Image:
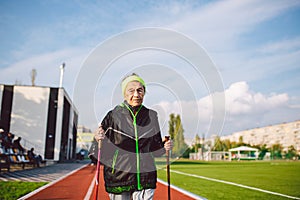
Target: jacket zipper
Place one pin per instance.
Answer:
(136, 146)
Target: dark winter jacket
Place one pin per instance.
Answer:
(132, 140)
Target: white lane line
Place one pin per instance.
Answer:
(235, 184)
(90, 190)
(187, 193)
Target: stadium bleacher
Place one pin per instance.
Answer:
(12, 156)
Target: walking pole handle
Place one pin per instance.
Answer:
(100, 141)
(99, 144)
(167, 138)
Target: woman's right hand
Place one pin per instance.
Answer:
(99, 134)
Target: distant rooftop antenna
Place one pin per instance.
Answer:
(33, 74)
(62, 68)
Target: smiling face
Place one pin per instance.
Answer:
(134, 93)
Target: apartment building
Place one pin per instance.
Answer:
(286, 134)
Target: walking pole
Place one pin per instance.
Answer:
(167, 138)
(98, 170)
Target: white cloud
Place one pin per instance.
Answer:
(281, 46)
(240, 100)
(242, 107)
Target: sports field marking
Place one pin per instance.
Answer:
(235, 184)
(90, 190)
(187, 193)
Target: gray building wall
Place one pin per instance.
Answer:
(45, 119)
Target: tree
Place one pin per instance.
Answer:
(176, 133)
(234, 144)
(197, 139)
(172, 126)
(263, 150)
(227, 145)
(197, 144)
(292, 152)
(241, 141)
(218, 144)
(276, 150)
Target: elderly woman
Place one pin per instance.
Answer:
(131, 138)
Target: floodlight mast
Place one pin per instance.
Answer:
(62, 68)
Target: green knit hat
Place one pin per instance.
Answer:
(130, 78)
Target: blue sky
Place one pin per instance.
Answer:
(255, 46)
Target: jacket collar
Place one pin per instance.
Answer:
(133, 109)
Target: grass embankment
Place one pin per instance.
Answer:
(276, 176)
(15, 189)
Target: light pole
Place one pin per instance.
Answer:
(62, 68)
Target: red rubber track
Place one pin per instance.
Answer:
(76, 186)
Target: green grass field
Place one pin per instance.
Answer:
(14, 189)
(277, 176)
